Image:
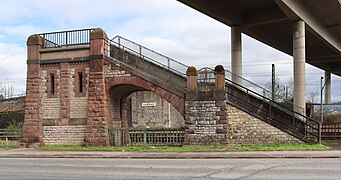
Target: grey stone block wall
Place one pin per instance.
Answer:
(246, 129)
(158, 114)
(50, 106)
(206, 122)
(64, 135)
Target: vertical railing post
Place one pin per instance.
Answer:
(319, 131)
(44, 42)
(334, 130)
(168, 62)
(66, 39)
(140, 50)
(119, 41)
(144, 137)
(270, 109)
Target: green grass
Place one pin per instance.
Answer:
(213, 148)
(4, 149)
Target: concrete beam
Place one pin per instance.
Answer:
(263, 16)
(220, 11)
(296, 9)
(324, 59)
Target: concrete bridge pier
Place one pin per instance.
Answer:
(236, 55)
(299, 55)
(327, 89)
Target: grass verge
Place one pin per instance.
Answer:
(213, 148)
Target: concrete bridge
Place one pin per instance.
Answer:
(309, 30)
(78, 83)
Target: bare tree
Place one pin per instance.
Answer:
(6, 89)
(279, 91)
(312, 96)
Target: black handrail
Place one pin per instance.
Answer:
(288, 111)
(168, 66)
(283, 109)
(66, 38)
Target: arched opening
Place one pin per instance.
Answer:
(131, 106)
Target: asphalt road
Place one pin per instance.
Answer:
(73, 168)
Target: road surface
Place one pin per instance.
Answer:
(92, 168)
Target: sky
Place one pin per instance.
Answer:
(166, 26)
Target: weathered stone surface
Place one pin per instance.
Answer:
(203, 122)
(157, 113)
(246, 129)
(32, 127)
(97, 123)
(69, 135)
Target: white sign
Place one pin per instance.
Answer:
(149, 104)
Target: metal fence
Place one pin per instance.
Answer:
(9, 138)
(146, 136)
(149, 55)
(265, 92)
(66, 38)
(206, 79)
(331, 130)
(273, 112)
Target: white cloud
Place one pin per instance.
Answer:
(13, 66)
(167, 26)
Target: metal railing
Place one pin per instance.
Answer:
(272, 112)
(256, 90)
(331, 130)
(264, 92)
(180, 68)
(206, 79)
(66, 38)
(9, 139)
(149, 55)
(146, 136)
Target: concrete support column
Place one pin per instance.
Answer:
(299, 66)
(236, 55)
(327, 90)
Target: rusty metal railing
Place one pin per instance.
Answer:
(66, 38)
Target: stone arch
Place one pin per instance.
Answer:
(123, 86)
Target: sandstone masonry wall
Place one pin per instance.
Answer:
(246, 129)
(112, 71)
(64, 135)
